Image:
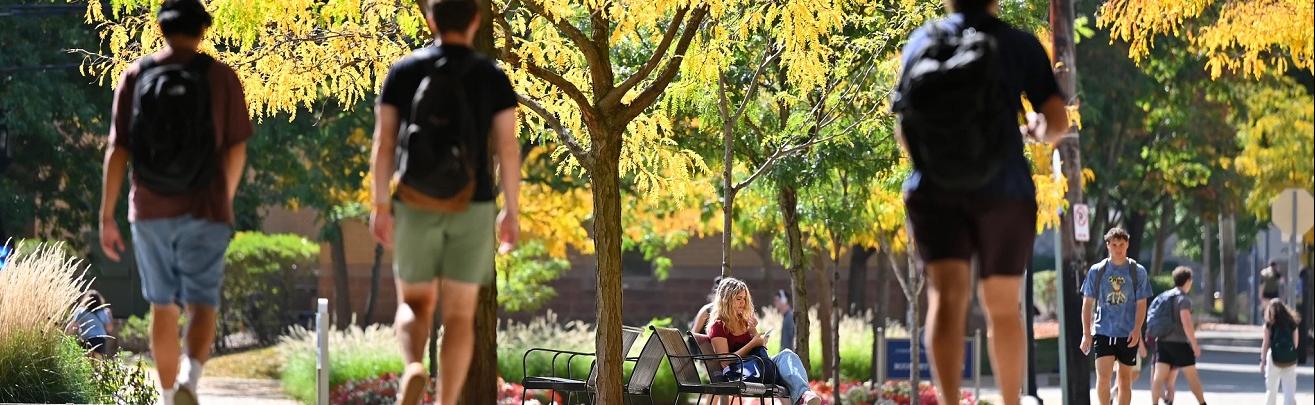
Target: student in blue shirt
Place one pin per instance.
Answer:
(1115, 291)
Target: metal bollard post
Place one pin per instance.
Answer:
(322, 351)
(881, 356)
(977, 364)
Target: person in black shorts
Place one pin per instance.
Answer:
(1178, 351)
(1115, 291)
(995, 222)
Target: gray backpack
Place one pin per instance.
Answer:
(1161, 317)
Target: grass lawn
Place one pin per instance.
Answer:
(256, 364)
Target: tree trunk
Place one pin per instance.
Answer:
(788, 199)
(1076, 378)
(764, 251)
(883, 288)
(341, 286)
(482, 378)
(607, 247)
(915, 333)
(728, 210)
(1228, 262)
(825, 310)
(1206, 297)
(1162, 231)
(373, 297)
(1136, 227)
(858, 278)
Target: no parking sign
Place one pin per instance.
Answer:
(1081, 222)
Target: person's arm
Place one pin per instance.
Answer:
(1051, 124)
(509, 170)
(109, 324)
(701, 321)
(1264, 349)
(1189, 329)
(1134, 338)
(1088, 306)
(115, 167)
(235, 161)
(382, 166)
(899, 137)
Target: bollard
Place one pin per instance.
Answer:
(322, 351)
(977, 365)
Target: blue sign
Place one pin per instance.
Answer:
(898, 360)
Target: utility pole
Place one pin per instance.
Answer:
(1074, 373)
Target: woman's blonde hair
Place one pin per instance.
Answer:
(723, 305)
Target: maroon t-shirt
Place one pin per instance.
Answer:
(733, 342)
(232, 127)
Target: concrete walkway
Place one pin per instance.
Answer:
(218, 390)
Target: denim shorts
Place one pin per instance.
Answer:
(181, 259)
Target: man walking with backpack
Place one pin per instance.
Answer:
(971, 191)
(1170, 323)
(180, 118)
(1116, 290)
(456, 111)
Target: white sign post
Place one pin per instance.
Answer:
(322, 351)
(1293, 213)
(1081, 222)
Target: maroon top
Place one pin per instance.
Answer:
(733, 342)
(232, 127)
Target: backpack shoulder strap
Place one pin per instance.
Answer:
(200, 63)
(1132, 273)
(1100, 278)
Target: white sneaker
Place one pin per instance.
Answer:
(189, 373)
(810, 398)
(167, 396)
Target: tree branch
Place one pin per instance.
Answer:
(585, 156)
(614, 96)
(780, 153)
(650, 94)
(594, 56)
(768, 58)
(603, 78)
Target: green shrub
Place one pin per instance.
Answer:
(354, 354)
(41, 368)
(1044, 292)
(525, 275)
(1161, 283)
(260, 273)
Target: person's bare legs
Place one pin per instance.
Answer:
(201, 325)
(1004, 327)
(1159, 379)
(415, 316)
(1125, 383)
(164, 343)
(459, 300)
(1194, 381)
(1171, 386)
(947, 309)
(1104, 369)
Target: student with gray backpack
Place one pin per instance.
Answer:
(1115, 292)
(1170, 323)
(1278, 352)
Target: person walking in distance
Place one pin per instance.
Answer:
(180, 121)
(971, 191)
(445, 116)
(1170, 323)
(1279, 354)
(1115, 290)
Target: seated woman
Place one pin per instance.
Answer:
(734, 330)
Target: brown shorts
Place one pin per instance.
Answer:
(958, 225)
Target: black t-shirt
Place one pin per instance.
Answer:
(488, 89)
(1026, 70)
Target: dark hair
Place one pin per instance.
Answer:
(91, 300)
(1278, 314)
(969, 5)
(452, 15)
(1116, 233)
(183, 17)
(1181, 276)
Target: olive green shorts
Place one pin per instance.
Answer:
(458, 247)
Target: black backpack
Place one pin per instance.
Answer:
(172, 135)
(436, 157)
(950, 110)
(1283, 351)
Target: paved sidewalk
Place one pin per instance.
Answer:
(218, 390)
